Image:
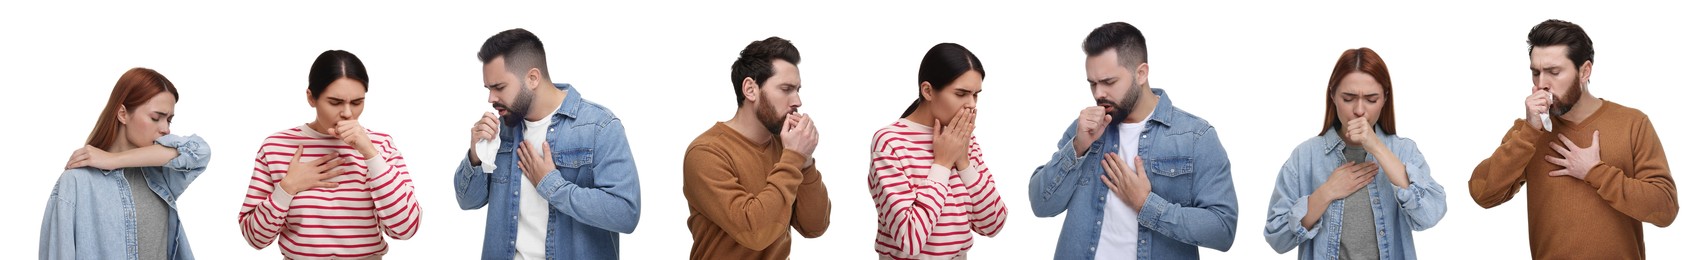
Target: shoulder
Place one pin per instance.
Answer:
(594, 113)
(1189, 122)
(73, 180)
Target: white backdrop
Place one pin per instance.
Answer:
(1253, 69)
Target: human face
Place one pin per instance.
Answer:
(511, 97)
(778, 96)
(1107, 80)
(945, 101)
(1553, 72)
(148, 122)
(343, 99)
(1358, 96)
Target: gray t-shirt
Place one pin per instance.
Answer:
(151, 214)
(1359, 231)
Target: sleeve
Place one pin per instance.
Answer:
(1647, 192)
(392, 188)
(613, 202)
(1424, 200)
(987, 213)
(1498, 178)
(472, 185)
(192, 157)
(266, 204)
(907, 205)
(1211, 223)
(58, 222)
(1283, 228)
(755, 220)
(1051, 185)
(811, 208)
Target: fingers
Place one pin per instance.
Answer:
(327, 185)
(1568, 142)
(1141, 167)
(545, 151)
(327, 166)
(1561, 172)
(322, 159)
(1556, 160)
(298, 157)
(1558, 148)
(1109, 184)
(938, 131)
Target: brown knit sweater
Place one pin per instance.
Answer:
(1600, 217)
(746, 198)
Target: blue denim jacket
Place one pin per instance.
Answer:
(593, 193)
(91, 214)
(1193, 203)
(1417, 207)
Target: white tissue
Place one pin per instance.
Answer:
(1547, 125)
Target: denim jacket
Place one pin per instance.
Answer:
(91, 214)
(593, 193)
(1396, 212)
(1193, 202)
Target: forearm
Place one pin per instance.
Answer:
(472, 185)
(811, 208)
(1316, 206)
(146, 156)
(1498, 178)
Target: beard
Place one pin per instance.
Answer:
(771, 118)
(522, 100)
(1564, 104)
(1124, 106)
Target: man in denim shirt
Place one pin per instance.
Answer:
(1175, 192)
(561, 182)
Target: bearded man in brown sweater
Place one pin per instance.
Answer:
(1595, 169)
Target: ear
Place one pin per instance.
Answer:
(309, 95)
(1585, 73)
(533, 79)
(927, 90)
(749, 88)
(1141, 74)
(123, 115)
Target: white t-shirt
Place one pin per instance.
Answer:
(534, 217)
(1121, 227)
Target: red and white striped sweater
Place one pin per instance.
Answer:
(373, 196)
(923, 218)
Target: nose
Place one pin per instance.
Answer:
(347, 112)
(165, 128)
(491, 97)
(795, 101)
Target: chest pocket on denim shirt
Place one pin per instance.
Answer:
(574, 163)
(505, 151)
(1172, 178)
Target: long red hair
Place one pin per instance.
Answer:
(134, 88)
(1367, 61)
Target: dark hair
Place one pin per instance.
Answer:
(943, 64)
(1366, 61)
(756, 60)
(134, 88)
(332, 65)
(1557, 32)
(520, 49)
(1131, 46)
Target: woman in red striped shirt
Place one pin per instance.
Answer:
(926, 174)
(330, 188)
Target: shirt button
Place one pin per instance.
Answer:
(1143, 241)
(1143, 136)
(1097, 223)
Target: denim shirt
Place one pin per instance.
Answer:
(91, 214)
(1396, 212)
(593, 193)
(1193, 202)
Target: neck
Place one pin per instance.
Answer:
(922, 117)
(541, 109)
(745, 122)
(1588, 105)
(321, 126)
(1144, 105)
(120, 144)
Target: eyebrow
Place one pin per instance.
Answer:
(793, 86)
(162, 114)
(495, 85)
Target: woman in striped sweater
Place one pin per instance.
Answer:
(926, 174)
(330, 188)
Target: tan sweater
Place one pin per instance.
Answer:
(1600, 217)
(746, 198)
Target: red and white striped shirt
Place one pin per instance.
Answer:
(923, 218)
(373, 195)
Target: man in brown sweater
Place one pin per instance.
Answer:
(1596, 174)
(747, 190)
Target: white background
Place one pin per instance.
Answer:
(1254, 69)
